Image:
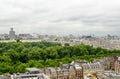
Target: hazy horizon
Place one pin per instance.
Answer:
(63, 17)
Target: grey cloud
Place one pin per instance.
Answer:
(57, 16)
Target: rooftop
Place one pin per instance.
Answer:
(32, 69)
(118, 58)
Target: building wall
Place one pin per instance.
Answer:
(12, 34)
(117, 66)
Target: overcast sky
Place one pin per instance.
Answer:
(60, 16)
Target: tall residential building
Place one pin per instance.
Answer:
(11, 34)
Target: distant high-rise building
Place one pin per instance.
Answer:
(11, 34)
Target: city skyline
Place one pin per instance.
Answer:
(60, 16)
(67, 34)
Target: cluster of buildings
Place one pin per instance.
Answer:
(9, 36)
(13, 36)
(112, 69)
(108, 42)
(105, 68)
(64, 71)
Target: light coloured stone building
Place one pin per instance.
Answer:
(12, 34)
(117, 65)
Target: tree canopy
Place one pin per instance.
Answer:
(16, 56)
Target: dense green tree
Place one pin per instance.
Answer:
(4, 58)
(66, 44)
(16, 56)
(51, 53)
(51, 63)
(21, 67)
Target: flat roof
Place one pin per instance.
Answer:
(32, 69)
